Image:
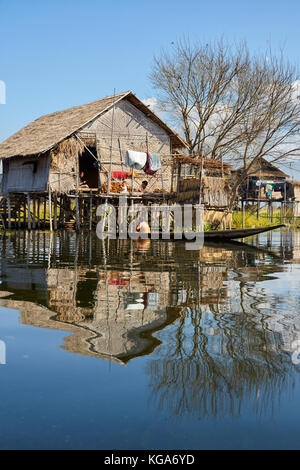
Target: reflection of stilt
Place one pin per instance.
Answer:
(90, 249)
(50, 250)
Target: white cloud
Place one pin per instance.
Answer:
(153, 104)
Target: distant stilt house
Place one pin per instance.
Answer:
(82, 151)
(294, 196)
(265, 182)
(267, 187)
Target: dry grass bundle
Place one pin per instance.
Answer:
(89, 141)
(187, 196)
(67, 149)
(115, 187)
(208, 163)
(160, 191)
(189, 184)
(213, 217)
(214, 184)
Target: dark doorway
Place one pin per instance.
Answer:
(88, 165)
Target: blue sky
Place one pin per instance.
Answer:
(58, 54)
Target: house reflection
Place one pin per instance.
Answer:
(201, 316)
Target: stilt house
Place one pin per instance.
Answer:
(53, 151)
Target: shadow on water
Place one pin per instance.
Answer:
(214, 338)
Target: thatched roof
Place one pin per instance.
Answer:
(294, 183)
(44, 133)
(208, 163)
(265, 169)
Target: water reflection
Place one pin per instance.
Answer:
(217, 338)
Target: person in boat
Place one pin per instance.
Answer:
(143, 245)
(143, 227)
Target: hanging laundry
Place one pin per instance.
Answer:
(135, 159)
(120, 175)
(153, 163)
(269, 189)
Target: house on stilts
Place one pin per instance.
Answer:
(60, 167)
(80, 154)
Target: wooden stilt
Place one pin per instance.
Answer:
(50, 209)
(9, 211)
(91, 212)
(38, 212)
(19, 215)
(28, 212)
(243, 214)
(34, 213)
(24, 214)
(61, 211)
(77, 213)
(55, 213)
(45, 211)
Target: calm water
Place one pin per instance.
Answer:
(143, 345)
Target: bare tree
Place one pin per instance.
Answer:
(230, 104)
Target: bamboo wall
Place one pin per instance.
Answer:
(130, 128)
(214, 192)
(25, 174)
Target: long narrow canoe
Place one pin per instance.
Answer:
(230, 234)
(217, 235)
(239, 233)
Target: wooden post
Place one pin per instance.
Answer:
(132, 180)
(178, 177)
(24, 214)
(243, 214)
(19, 215)
(9, 211)
(201, 178)
(77, 213)
(61, 212)
(91, 210)
(28, 212)
(172, 178)
(50, 209)
(284, 220)
(33, 213)
(55, 213)
(38, 212)
(45, 211)
(111, 147)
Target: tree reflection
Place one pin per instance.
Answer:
(214, 365)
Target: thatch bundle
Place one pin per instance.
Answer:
(214, 217)
(160, 191)
(210, 165)
(115, 187)
(213, 183)
(67, 149)
(189, 184)
(89, 141)
(187, 196)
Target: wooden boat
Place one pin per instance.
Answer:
(219, 235)
(238, 233)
